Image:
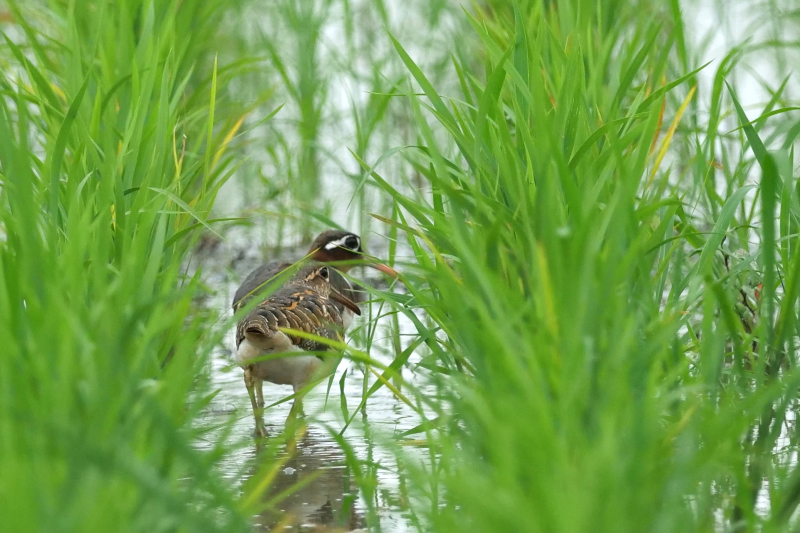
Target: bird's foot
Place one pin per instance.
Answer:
(260, 432)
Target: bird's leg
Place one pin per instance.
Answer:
(297, 405)
(259, 384)
(249, 382)
(296, 410)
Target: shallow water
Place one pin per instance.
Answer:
(328, 497)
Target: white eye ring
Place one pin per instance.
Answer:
(355, 239)
(340, 243)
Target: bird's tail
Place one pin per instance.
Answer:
(255, 328)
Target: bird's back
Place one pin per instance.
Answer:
(256, 280)
(293, 307)
(259, 277)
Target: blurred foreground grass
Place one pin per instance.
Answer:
(110, 150)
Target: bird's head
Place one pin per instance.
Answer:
(334, 246)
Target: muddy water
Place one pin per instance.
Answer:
(327, 496)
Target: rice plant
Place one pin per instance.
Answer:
(110, 154)
(614, 279)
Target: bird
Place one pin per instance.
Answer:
(339, 247)
(333, 247)
(304, 303)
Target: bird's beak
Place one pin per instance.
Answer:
(345, 301)
(389, 271)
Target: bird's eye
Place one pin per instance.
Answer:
(323, 272)
(351, 242)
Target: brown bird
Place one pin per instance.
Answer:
(331, 246)
(305, 303)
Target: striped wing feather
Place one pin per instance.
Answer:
(301, 309)
(259, 277)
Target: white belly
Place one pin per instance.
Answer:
(347, 315)
(294, 370)
(249, 350)
(347, 318)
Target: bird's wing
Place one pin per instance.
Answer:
(256, 280)
(294, 308)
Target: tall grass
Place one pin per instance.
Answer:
(334, 75)
(612, 265)
(603, 276)
(112, 149)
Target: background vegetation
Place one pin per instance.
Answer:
(596, 227)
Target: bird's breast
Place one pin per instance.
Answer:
(347, 318)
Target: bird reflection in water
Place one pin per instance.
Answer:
(313, 488)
